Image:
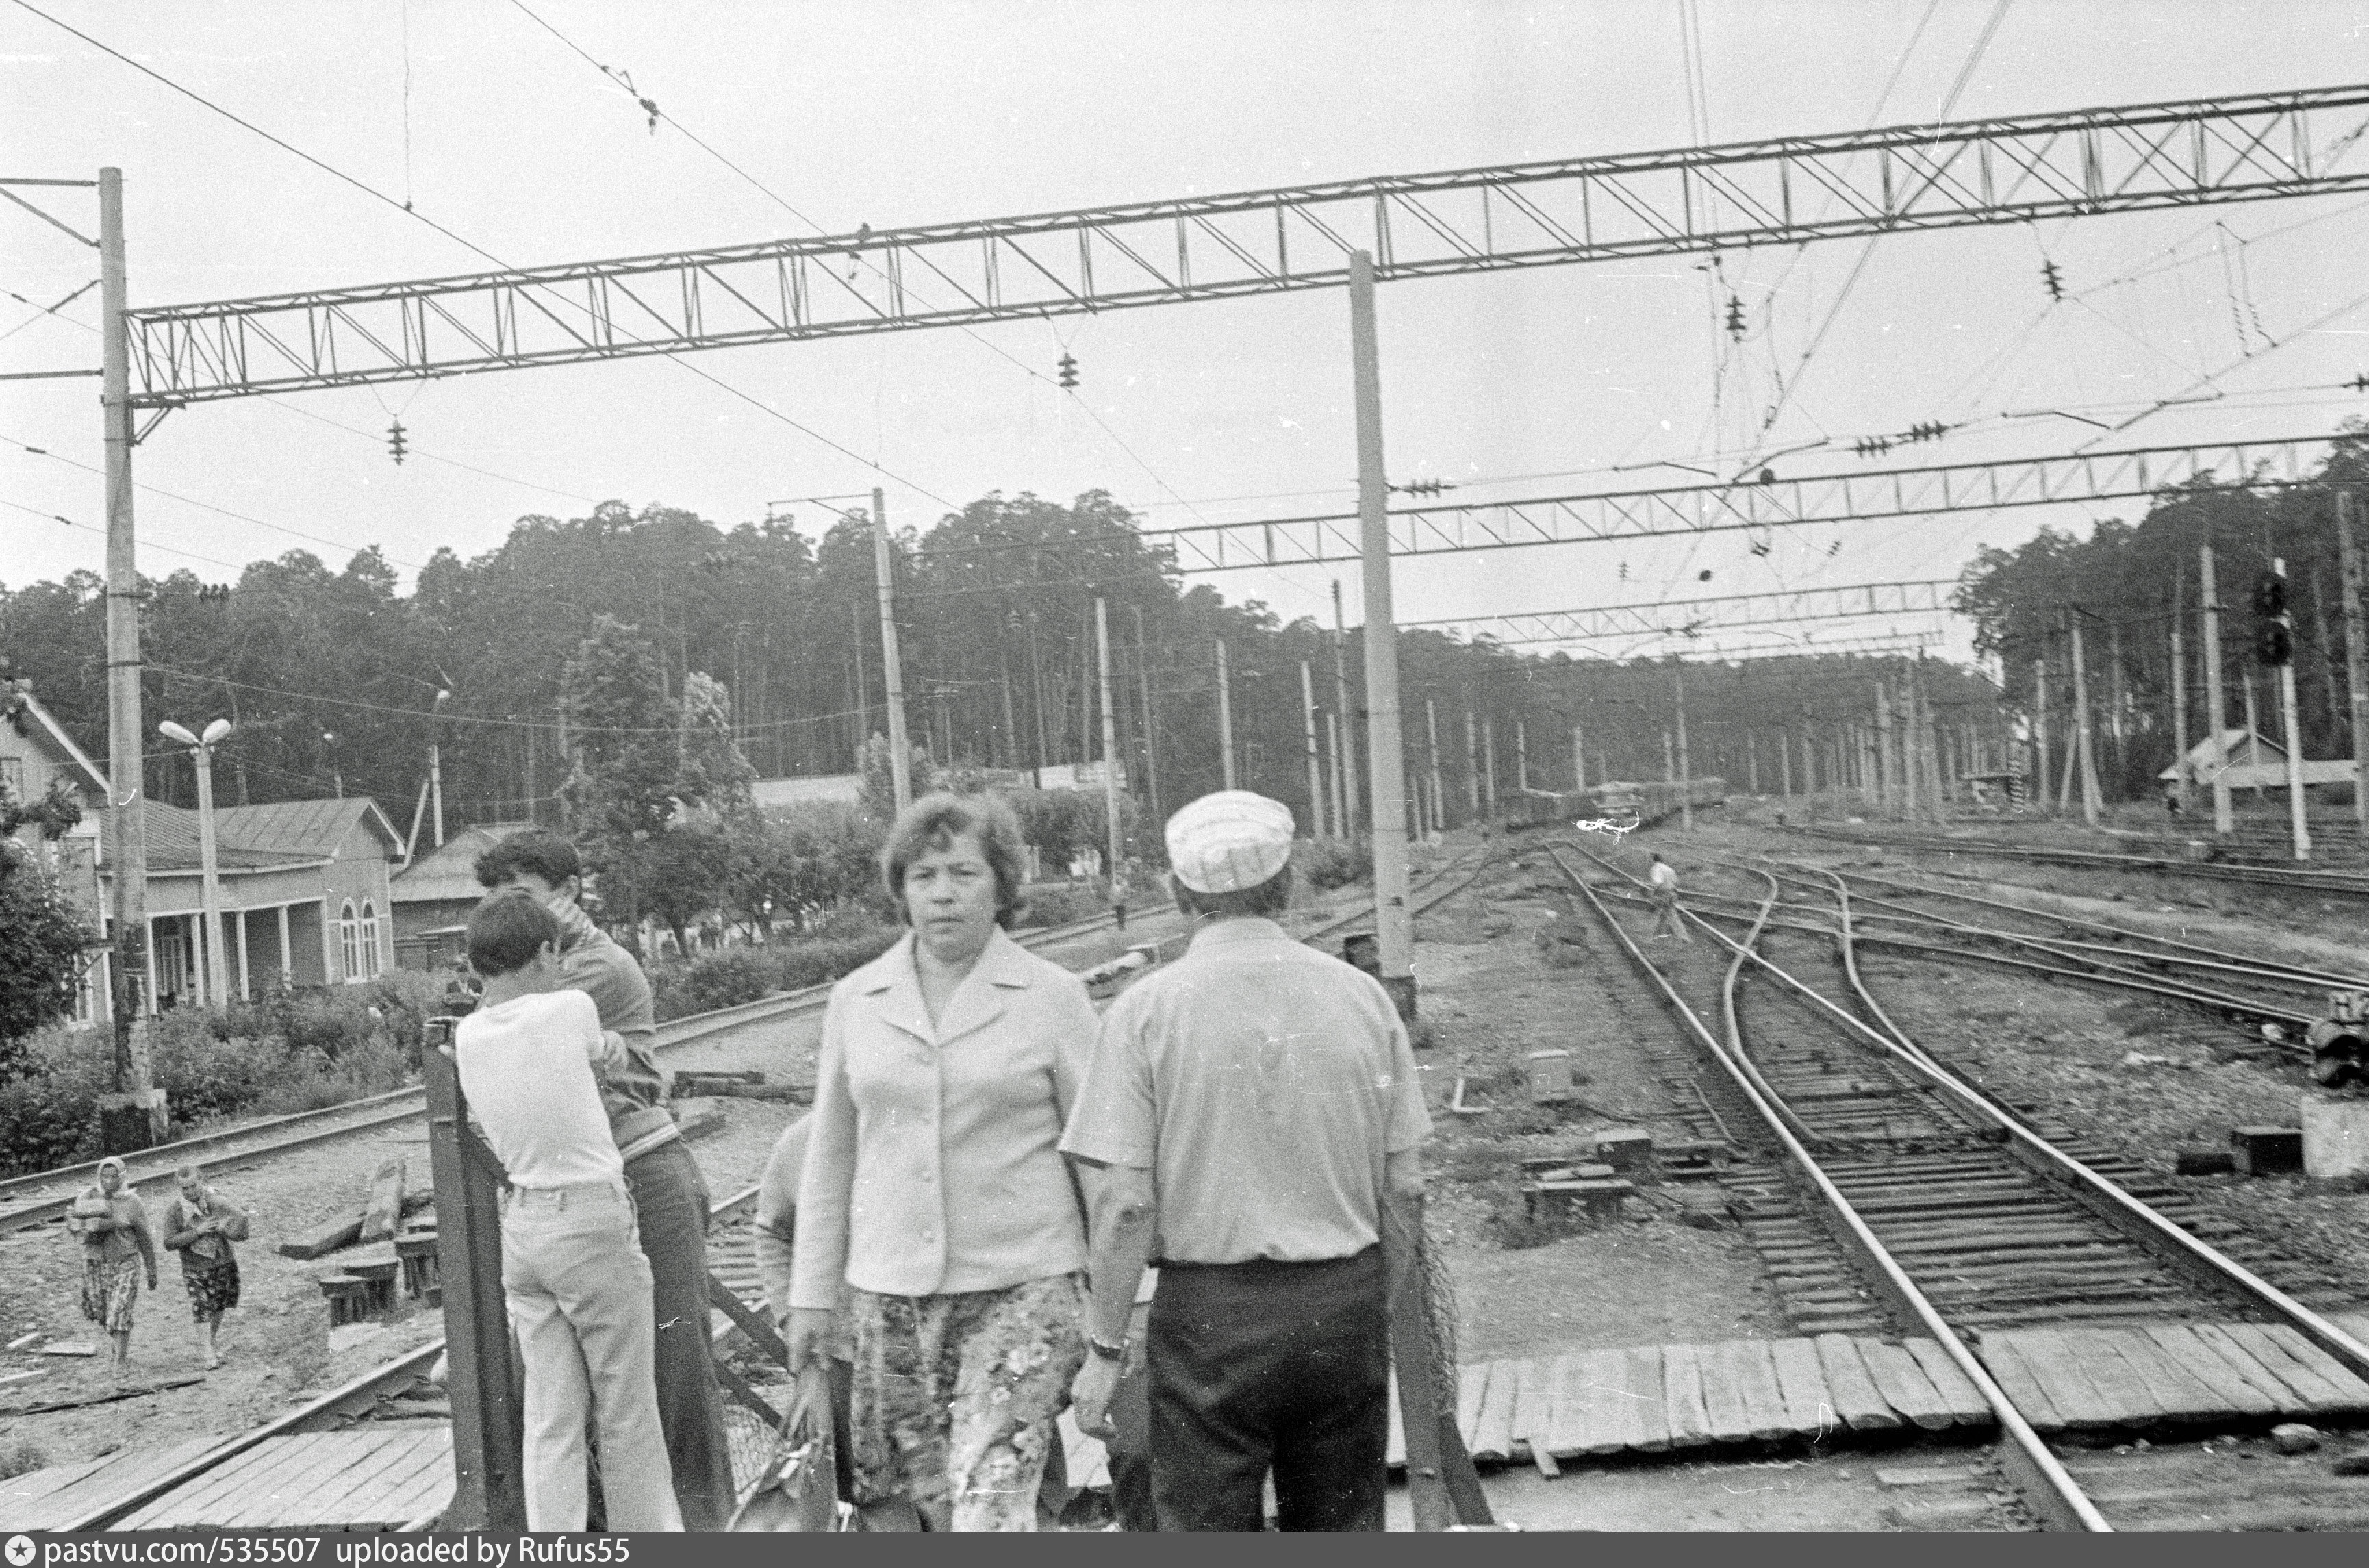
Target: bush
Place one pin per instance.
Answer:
(1059, 903)
(1327, 864)
(847, 940)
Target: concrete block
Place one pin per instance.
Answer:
(2202, 1162)
(1627, 1150)
(129, 1123)
(2335, 1134)
(1552, 1077)
(2267, 1151)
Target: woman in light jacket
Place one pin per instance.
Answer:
(116, 1244)
(933, 1197)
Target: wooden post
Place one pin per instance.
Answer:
(1521, 754)
(1116, 872)
(1225, 717)
(2253, 734)
(1352, 803)
(2178, 688)
(1752, 757)
(2297, 824)
(2215, 699)
(1431, 743)
(1489, 764)
(2356, 652)
(900, 762)
(488, 1427)
(1785, 764)
(1340, 802)
(1884, 748)
(1578, 759)
(2040, 729)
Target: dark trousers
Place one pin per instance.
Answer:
(671, 1198)
(1260, 1366)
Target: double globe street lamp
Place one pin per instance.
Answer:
(210, 883)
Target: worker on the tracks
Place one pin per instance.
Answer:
(1244, 1110)
(574, 1274)
(1661, 883)
(934, 1208)
(201, 1224)
(670, 1194)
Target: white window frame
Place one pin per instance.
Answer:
(367, 930)
(348, 943)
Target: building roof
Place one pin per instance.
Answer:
(173, 844)
(2233, 751)
(310, 828)
(450, 872)
(33, 719)
(775, 793)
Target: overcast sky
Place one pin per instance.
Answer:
(1518, 384)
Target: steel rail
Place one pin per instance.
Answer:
(2304, 977)
(2055, 1495)
(308, 1128)
(2109, 1198)
(2264, 875)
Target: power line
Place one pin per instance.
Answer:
(145, 544)
(409, 210)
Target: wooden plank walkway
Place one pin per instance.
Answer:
(370, 1477)
(1660, 1398)
(44, 1499)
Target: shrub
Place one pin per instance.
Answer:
(20, 1457)
(847, 940)
(1059, 903)
(1327, 864)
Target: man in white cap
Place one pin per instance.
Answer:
(1244, 1110)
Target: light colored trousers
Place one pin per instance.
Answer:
(578, 1291)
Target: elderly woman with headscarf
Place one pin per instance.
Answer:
(201, 1224)
(115, 1245)
(933, 1204)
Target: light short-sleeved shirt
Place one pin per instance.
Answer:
(526, 1067)
(1261, 1082)
(1664, 875)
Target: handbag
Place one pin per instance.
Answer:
(799, 1490)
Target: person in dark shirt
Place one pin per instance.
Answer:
(670, 1197)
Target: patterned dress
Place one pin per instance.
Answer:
(955, 1396)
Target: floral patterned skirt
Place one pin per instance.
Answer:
(212, 1289)
(110, 1292)
(955, 1396)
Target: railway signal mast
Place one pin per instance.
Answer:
(2274, 646)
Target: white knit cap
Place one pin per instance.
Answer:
(1230, 840)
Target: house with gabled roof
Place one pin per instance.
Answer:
(434, 894)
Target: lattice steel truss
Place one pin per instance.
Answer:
(1749, 504)
(1804, 647)
(1692, 617)
(1778, 191)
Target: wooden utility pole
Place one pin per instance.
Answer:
(1471, 766)
(133, 1117)
(1225, 716)
(1685, 770)
(1785, 764)
(2179, 790)
(2296, 822)
(1489, 766)
(1431, 742)
(1151, 718)
(2215, 699)
(1578, 760)
(2040, 727)
(1308, 736)
(1393, 915)
(2356, 652)
(900, 762)
(1521, 754)
(1351, 800)
(1752, 758)
(2253, 733)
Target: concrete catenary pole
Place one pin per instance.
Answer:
(901, 763)
(1315, 823)
(2081, 725)
(2216, 700)
(1686, 765)
(2179, 779)
(1110, 761)
(1225, 716)
(2356, 652)
(1393, 916)
(1471, 766)
(2288, 721)
(128, 795)
(1350, 797)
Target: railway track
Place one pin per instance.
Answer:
(730, 1246)
(1883, 1191)
(2352, 885)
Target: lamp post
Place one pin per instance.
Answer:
(201, 747)
(337, 774)
(435, 766)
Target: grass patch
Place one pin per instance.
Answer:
(20, 1458)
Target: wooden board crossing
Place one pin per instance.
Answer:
(1660, 1398)
(369, 1477)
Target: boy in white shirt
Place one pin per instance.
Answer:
(573, 1271)
(1663, 879)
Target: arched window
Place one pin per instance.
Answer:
(349, 943)
(369, 938)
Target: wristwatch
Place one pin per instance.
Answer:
(1107, 1352)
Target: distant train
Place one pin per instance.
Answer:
(1649, 801)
